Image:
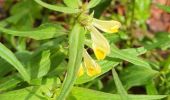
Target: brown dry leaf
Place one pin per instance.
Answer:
(159, 20)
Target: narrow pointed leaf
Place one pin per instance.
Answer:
(38, 34)
(120, 88)
(57, 8)
(93, 3)
(76, 46)
(44, 64)
(6, 54)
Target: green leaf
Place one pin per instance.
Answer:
(135, 51)
(30, 93)
(161, 41)
(40, 33)
(44, 64)
(79, 93)
(93, 3)
(72, 3)
(29, 6)
(164, 7)
(13, 19)
(6, 54)
(116, 53)
(101, 7)
(130, 76)
(151, 88)
(141, 10)
(9, 82)
(119, 86)
(57, 8)
(4, 70)
(76, 46)
(105, 65)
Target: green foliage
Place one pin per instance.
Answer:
(164, 7)
(76, 41)
(42, 45)
(6, 54)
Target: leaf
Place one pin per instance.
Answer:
(105, 65)
(72, 3)
(135, 51)
(93, 3)
(9, 82)
(100, 8)
(164, 7)
(76, 46)
(119, 86)
(30, 93)
(29, 6)
(141, 10)
(79, 93)
(57, 8)
(151, 88)
(161, 40)
(116, 53)
(130, 76)
(44, 64)
(4, 70)
(12, 19)
(6, 54)
(40, 33)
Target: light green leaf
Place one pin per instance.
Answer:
(44, 64)
(6, 54)
(135, 51)
(79, 93)
(72, 3)
(130, 76)
(119, 86)
(116, 53)
(93, 3)
(151, 88)
(40, 33)
(57, 8)
(30, 93)
(76, 46)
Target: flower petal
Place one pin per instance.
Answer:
(91, 66)
(80, 71)
(100, 44)
(107, 26)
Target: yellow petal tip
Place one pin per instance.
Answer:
(80, 71)
(92, 71)
(114, 29)
(100, 55)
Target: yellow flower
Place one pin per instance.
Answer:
(106, 26)
(92, 68)
(100, 44)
